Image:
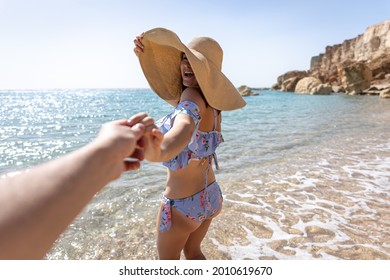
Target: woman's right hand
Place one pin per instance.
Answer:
(152, 144)
(139, 47)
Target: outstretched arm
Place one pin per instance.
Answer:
(37, 205)
(159, 147)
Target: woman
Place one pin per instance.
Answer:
(190, 79)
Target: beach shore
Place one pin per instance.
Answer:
(295, 218)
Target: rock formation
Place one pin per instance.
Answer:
(246, 91)
(312, 85)
(357, 66)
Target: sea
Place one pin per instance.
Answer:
(303, 176)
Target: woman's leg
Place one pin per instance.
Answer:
(192, 250)
(170, 243)
(185, 233)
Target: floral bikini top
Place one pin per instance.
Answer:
(202, 144)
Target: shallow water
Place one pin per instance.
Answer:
(303, 177)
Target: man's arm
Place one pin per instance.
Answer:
(37, 205)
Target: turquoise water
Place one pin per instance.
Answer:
(303, 176)
(40, 125)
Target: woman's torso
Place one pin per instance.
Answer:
(191, 179)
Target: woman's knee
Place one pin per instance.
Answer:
(192, 250)
(194, 254)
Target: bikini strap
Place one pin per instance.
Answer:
(214, 155)
(166, 213)
(209, 163)
(207, 171)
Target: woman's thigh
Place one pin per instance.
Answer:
(171, 242)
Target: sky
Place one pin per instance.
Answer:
(46, 44)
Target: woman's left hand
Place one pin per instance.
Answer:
(139, 47)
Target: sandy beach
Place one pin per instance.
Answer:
(320, 212)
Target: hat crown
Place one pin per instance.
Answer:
(160, 62)
(209, 48)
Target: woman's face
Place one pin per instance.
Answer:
(188, 76)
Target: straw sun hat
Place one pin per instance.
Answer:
(160, 62)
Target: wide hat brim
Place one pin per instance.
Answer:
(160, 62)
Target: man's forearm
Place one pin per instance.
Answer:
(47, 198)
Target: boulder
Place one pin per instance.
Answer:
(290, 84)
(312, 85)
(385, 93)
(288, 80)
(307, 85)
(276, 86)
(246, 91)
(322, 89)
(356, 78)
(338, 89)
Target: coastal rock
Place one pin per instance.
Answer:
(276, 86)
(246, 91)
(353, 66)
(306, 85)
(371, 48)
(290, 84)
(355, 78)
(322, 89)
(311, 85)
(288, 81)
(337, 89)
(292, 74)
(385, 93)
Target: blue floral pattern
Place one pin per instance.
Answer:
(196, 207)
(201, 145)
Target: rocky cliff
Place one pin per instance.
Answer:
(357, 66)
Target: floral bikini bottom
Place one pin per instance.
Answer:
(196, 207)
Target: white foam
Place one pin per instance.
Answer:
(364, 182)
(259, 182)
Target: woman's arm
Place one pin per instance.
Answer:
(159, 147)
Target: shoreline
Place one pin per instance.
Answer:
(301, 217)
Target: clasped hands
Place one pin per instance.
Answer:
(130, 141)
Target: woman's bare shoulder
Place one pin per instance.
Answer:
(194, 95)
